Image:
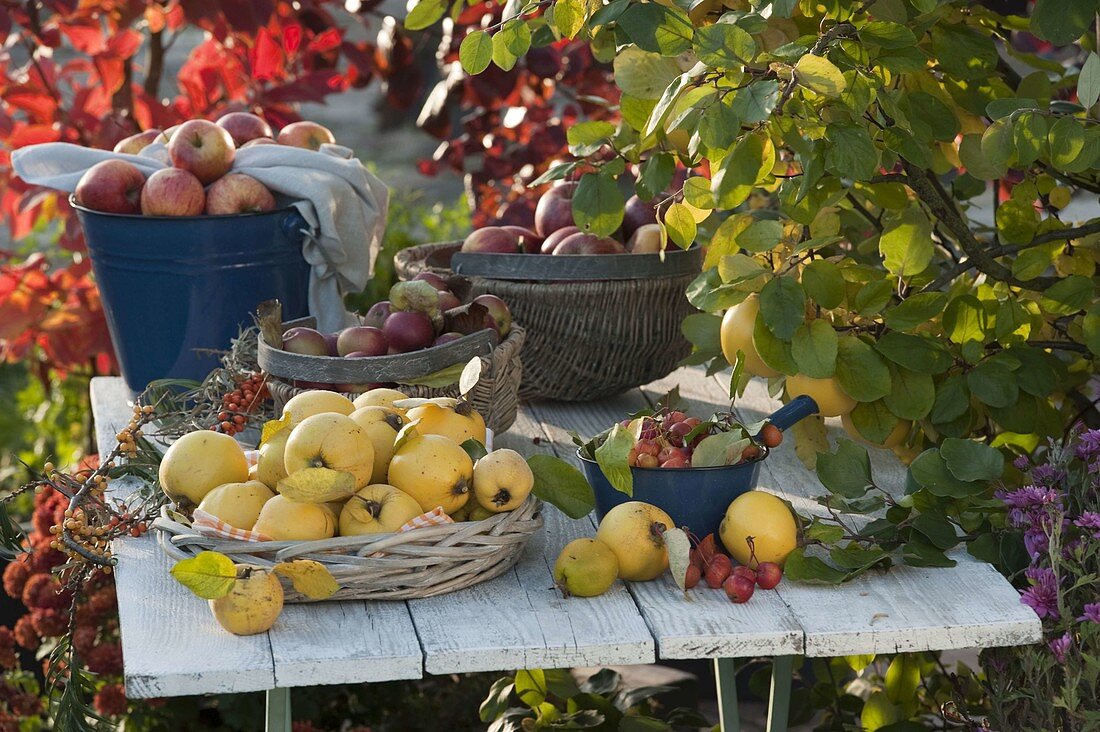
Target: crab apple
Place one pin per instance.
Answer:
(750, 453)
(550, 243)
(648, 447)
(667, 453)
(244, 127)
(676, 462)
(648, 461)
(717, 572)
(677, 433)
(111, 186)
(448, 300)
(738, 589)
(692, 576)
(692, 422)
(771, 435)
(768, 575)
(674, 416)
(650, 429)
(742, 571)
(555, 209)
(707, 548)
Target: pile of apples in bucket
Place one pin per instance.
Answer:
(201, 153)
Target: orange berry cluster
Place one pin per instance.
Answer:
(237, 404)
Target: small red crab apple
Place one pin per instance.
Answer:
(718, 570)
(771, 436)
(768, 575)
(743, 571)
(738, 588)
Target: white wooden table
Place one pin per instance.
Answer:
(172, 646)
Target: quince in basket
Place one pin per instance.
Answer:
(377, 509)
(198, 462)
(448, 417)
(283, 519)
(381, 425)
(433, 469)
(318, 401)
(333, 441)
(237, 504)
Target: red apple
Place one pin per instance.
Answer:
(637, 213)
(168, 134)
(434, 280)
(238, 193)
(259, 141)
(243, 127)
(646, 239)
(309, 135)
(378, 313)
(361, 339)
(529, 241)
(768, 575)
(201, 147)
(448, 300)
(305, 341)
(136, 143)
(330, 343)
(492, 239)
(408, 330)
(586, 243)
(499, 311)
(112, 186)
(739, 589)
(172, 192)
(550, 243)
(555, 209)
(445, 338)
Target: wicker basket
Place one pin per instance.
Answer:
(419, 563)
(586, 339)
(495, 397)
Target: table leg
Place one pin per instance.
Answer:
(779, 700)
(278, 710)
(725, 678)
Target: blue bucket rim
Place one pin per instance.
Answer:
(763, 456)
(200, 217)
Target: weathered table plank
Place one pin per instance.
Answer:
(905, 609)
(520, 620)
(705, 624)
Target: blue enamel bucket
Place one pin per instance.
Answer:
(173, 287)
(696, 498)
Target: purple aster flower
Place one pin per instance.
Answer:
(1042, 596)
(1036, 542)
(1061, 646)
(1021, 463)
(1028, 505)
(1047, 475)
(1088, 444)
(1089, 520)
(1092, 612)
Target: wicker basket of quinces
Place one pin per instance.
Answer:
(396, 497)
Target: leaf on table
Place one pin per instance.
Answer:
(273, 427)
(802, 567)
(209, 575)
(810, 438)
(559, 483)
(613, 458)
(310, 578)
(679, 555)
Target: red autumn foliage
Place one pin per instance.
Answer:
(264, 56)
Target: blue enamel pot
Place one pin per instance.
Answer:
(175, 288)
(696, 498)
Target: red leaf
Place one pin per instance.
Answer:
(32, 135)
(176, 17)
(111, 72)
(86, 36)
(326, 41)
(157, 18)
(125, 43)
(267, 57)
(39, 105)
(292, 38)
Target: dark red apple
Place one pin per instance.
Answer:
(111, 186)
(305, 341)
(529, 241)
(637, 213)
(492, 239)
(434, 280)
(448, 300)
(243, 127)
(378, 313)
(363, 339)
(446, 338)
(408, 330)
(330, 341)
(555, 209)
(499, 311)
(586, 243)
(550, 243)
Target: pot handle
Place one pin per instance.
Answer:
(793, 411)
(294, 226)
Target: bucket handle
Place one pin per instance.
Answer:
(294, 226)
(792, 412)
